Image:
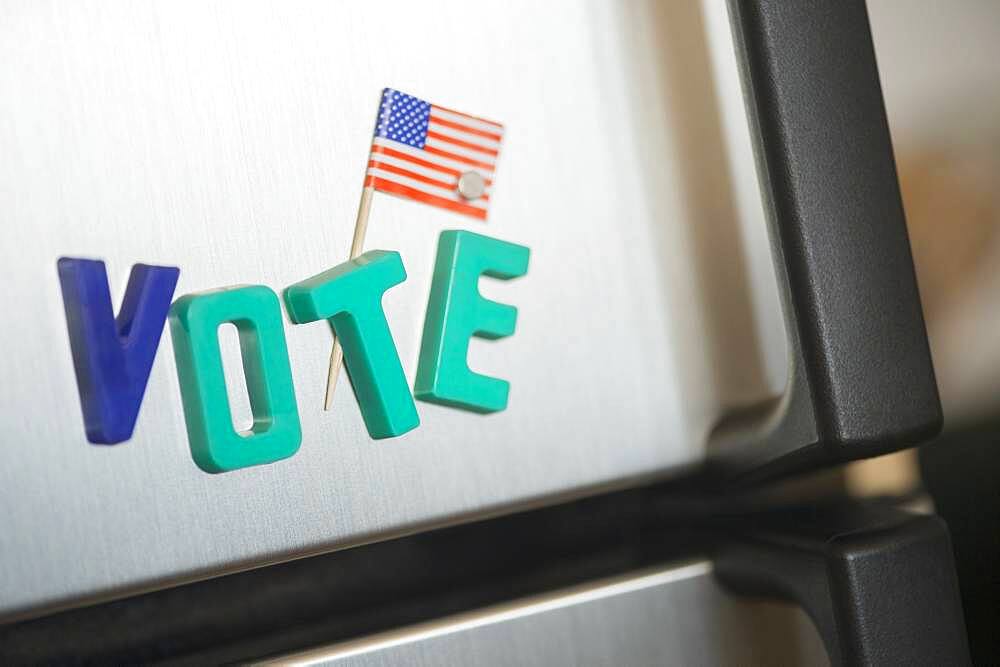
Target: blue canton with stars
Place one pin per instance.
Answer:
(403, 118)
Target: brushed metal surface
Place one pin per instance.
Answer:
(675, 616)
(229, 139)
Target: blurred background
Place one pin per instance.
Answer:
(940, 66)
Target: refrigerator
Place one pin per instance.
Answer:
(628, 289)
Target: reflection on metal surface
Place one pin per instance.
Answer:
(674, 616)
(227, 138)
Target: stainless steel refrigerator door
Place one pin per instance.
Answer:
(669, 616)
(230, 139)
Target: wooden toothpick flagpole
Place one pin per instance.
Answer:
(357, 245)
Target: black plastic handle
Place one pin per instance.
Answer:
(878, 582)
(861, 381)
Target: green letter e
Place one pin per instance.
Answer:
(456, 312)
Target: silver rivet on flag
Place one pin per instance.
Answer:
(471, 185)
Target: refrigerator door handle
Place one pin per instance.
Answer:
(878, 582)
(861, 382)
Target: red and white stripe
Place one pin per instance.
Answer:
(456, 143)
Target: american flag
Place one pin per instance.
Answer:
(422, 151)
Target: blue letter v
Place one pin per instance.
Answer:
(112, 357)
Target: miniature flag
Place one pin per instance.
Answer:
(434, 155)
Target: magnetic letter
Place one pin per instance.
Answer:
(113, 357)
(456, 312)
(350, 297)
(194, 326)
